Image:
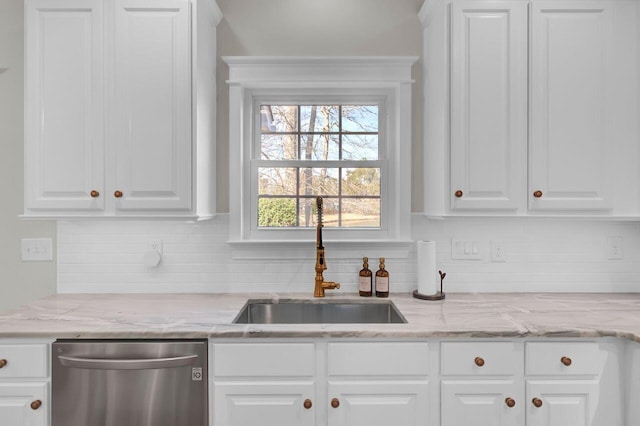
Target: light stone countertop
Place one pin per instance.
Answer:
(210, 315)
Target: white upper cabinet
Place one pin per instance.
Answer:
(488, 104)
(120, 108)
(64, 105)
(572, 143)
(539, 114)
(152, 104)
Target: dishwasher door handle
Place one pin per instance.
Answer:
(127, 364)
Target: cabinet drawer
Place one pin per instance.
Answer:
(378, 358)
(555, 358)
(481, 358)
(21, 361)
(264, 359)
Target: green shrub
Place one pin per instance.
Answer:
(276, 212)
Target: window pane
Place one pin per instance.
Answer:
(279, 118)
(359, 147)
(276, 212)
(278, 147)
(360, 118)
(363, 212)
(319, 147)
(361, 182)
(319, 181)
(277, 181)
(330, 216)
(319, 118)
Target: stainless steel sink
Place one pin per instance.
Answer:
(318, 312)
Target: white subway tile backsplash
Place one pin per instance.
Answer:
(541, 255)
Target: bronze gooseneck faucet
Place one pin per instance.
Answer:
(321, 265)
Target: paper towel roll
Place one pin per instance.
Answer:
(426, 268)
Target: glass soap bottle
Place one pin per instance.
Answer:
(365, 279)
(382, 280)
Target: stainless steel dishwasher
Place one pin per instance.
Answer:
(129, 383)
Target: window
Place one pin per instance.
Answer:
(309, 150)
(339, 128)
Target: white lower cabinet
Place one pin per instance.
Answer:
(379, 402)
(24, 404)
(562, 383)
(264, 383)
(562, 402)
(277, 402)
(481, 403)
(366, 383)
(24, 383)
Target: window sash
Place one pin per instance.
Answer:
(256, 162)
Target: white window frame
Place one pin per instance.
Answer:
(321, 80)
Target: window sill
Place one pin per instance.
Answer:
(305, 250)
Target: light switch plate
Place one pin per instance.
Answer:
(37, 249)
(465, 249)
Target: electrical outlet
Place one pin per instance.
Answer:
(37, 249)
(497, 251)
(614, 248)
(155, 245)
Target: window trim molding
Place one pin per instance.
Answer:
(253, 77)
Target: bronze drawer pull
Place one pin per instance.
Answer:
(479, 361)
(537, 402)
(510, 402)
(458, 193)
(307, 404)
(36, 404)
(566, 360)
(335, 402)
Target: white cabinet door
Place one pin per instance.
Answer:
(152, 105)
(19, 404)
(570, 146)
(481, 402)
(562, 402)
(280, 403)
(378, 403)
(488, 104)
(64, 105)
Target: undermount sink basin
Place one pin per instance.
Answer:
(318, 312)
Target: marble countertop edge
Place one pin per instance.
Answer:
(210, 315)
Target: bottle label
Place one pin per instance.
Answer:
(382, 284)
(364, 284)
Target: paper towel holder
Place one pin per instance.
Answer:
(438, 296)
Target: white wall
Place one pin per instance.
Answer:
(19, 282)
(541, 254)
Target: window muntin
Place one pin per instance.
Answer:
(308, 149)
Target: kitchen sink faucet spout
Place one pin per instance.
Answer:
(321, 265)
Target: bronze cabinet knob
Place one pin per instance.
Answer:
(458, 193)
(537, 194)
(566, 360)
(335, 402)
(3, 363)
(94, 194)
(479, 361)
(307, 404)
(510, 402)
(537, 402)
(36, 404)
(117, 194)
